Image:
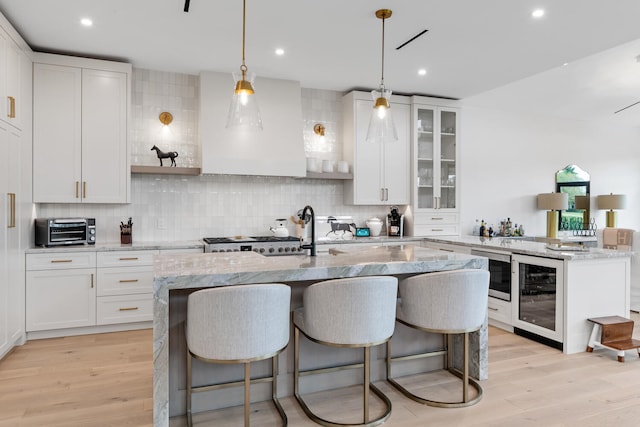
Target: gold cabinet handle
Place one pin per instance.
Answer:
(436, 219)
(129, 281)
(84, 189)
(77, 185)
(12, 107)
(54, 261)
(437, 229)
(129, 259)
(12, 204)
(492, 309)
(128, 308)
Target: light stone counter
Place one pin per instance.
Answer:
(182, 272)
(117, 246)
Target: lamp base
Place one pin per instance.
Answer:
(611, 218)
(552, 224)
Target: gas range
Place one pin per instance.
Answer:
(264, 245)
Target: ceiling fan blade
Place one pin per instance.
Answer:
(628, 106)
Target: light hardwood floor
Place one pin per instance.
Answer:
(106, 380)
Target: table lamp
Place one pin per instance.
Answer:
(611, 202)
(583, 203)
(552, 203)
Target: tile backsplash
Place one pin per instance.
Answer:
(170, 208)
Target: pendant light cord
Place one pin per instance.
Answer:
(243, 67)
(382, 78)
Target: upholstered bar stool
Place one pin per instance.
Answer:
(451, 302)
(238, 324)
(354, 312)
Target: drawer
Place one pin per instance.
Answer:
(500, 310)
(61, 260)
(436, 218)
(436, 229)
(126, 258)
(125, 280)
(124, 309)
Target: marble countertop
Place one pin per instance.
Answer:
(218, 269)
(524, 247)
(117, 246)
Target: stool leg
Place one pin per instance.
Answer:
(247, 393)
(189, 419)
(593, 337)
(367, 380)
(465, 369)
(621, 356)
(296, 356)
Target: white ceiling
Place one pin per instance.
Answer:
(471, 47)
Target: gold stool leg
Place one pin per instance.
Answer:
(465, 369)
(367, 381)
(247, 393)
(189, 418)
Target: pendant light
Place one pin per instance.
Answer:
(243, 111)
(381, 126)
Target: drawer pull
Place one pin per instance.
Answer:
(128, 308)
(129, 259)
(129, 281)
(91, 280)
(436, 219)
(53, 261)
(493, 309)
(446, 250)
(437, 229)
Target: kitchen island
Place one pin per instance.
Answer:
(176, 276)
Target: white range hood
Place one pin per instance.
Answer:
(278, 150)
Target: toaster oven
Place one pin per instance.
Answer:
(65, 231)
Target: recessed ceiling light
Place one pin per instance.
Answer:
(279, 51)
(538, 13)
(565, 64)
(422, 72)
(86, 22)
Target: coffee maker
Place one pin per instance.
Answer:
(395, 223)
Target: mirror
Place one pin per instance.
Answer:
(575, 182)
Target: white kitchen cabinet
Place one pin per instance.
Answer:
(435, 167)
(125, 287)
(381, 172)
(277, 150)
(61, 290)
(80, 150)
(12, 105)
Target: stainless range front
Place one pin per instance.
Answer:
(264, 245)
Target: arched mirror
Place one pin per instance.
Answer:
(576, 183)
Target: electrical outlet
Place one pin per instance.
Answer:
(161, 224)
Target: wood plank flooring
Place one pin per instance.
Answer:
(106, 380)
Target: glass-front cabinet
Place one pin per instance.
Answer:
(435, 199)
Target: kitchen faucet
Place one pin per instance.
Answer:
(311, 246)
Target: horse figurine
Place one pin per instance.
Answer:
(169, 155)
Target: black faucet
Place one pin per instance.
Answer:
(311, 246)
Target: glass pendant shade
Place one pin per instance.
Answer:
(244, 112)
(381, 127)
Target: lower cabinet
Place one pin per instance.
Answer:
(60, 291)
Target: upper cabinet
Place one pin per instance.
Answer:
(80, 111)
(277, 150)
(381, 172)
(12, 104)
(435, 166)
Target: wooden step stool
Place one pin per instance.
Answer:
(616, 335)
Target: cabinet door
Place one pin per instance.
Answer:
(59, 299)
(368, 179)
(425, 130)
(447, 158)
(396, 159)
(13, 101)
(57, 149)
(15, 259)
(104, 137)
(4, 222)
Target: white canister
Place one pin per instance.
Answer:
(328, 165)
(313, 164)
(343, 166)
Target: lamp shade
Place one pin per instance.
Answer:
(553, 201)
(582, 202)
(612, 201)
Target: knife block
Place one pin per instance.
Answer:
(125, 235)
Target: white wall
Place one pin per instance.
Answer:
(508, 157)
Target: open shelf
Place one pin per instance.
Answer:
(165, 170)
(329, 175)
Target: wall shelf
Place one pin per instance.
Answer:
(329, 175)
(164, 170)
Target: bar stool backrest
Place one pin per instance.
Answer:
(353, 311)
(448, 301)
(239, 322)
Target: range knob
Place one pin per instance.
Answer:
(255, 250)
(229, 250)
(261, 250)
(271, 250)
(287, 249)
(280, 250)
(214, 250)
(236, 250)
